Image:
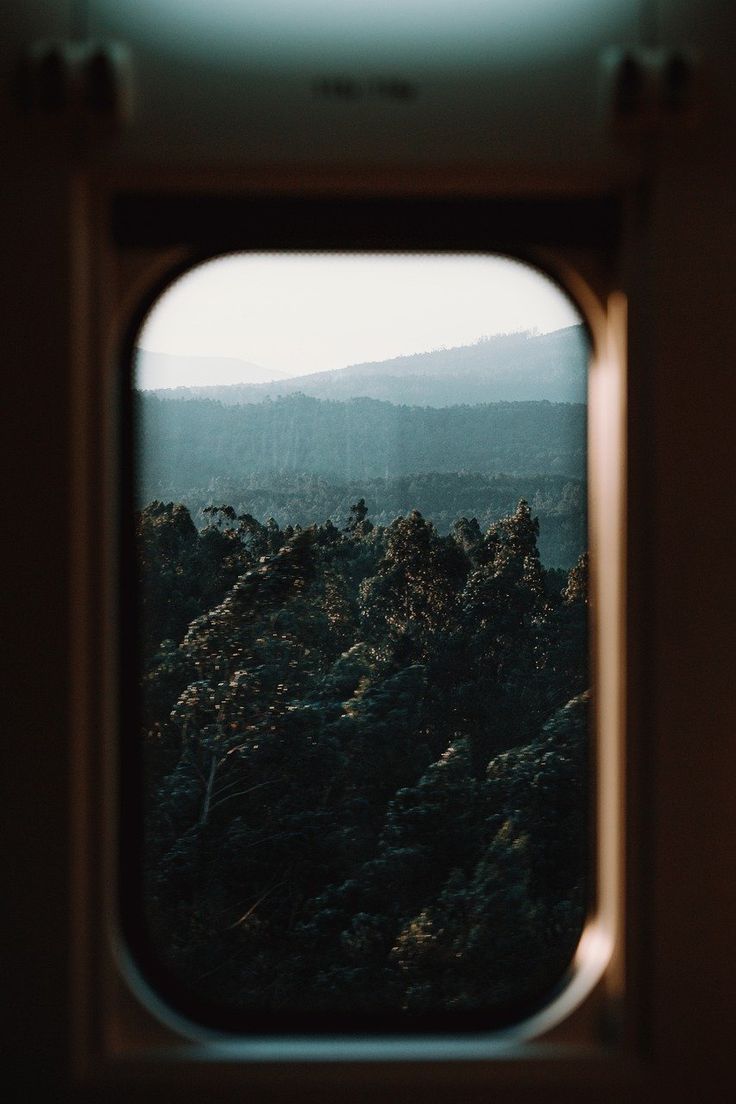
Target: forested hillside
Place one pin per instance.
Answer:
(365, 760)
(299, 499)
(303, 461)
(189, 443)
(364, 692)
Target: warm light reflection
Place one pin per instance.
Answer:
(606, 428)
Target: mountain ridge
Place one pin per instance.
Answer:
(518, 367)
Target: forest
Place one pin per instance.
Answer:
(300, 459)
(365, 758)
(192, 441)
(298, 498)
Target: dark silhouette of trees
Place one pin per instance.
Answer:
(365, 759)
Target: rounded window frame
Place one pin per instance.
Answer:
(601, 938)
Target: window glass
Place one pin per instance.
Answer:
(360, 640)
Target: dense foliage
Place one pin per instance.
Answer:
(299, 498)
(365, 758)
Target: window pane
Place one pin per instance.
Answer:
(362, 638)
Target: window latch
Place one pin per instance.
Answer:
(76, 82)
(650, 90)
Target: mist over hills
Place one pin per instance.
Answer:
(156, 370)
(518, 367)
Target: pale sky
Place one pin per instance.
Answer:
(293, 314)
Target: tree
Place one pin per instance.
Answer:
(409, 602)
(363, 792)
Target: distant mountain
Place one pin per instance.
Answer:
(518, 367)
(160, 371)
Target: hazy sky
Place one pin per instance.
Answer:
(298, 313)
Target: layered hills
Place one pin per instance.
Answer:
(518, 367)
(455, 432)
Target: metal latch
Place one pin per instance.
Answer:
(647, 89)
(77, 82)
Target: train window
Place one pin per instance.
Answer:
(358, 783)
